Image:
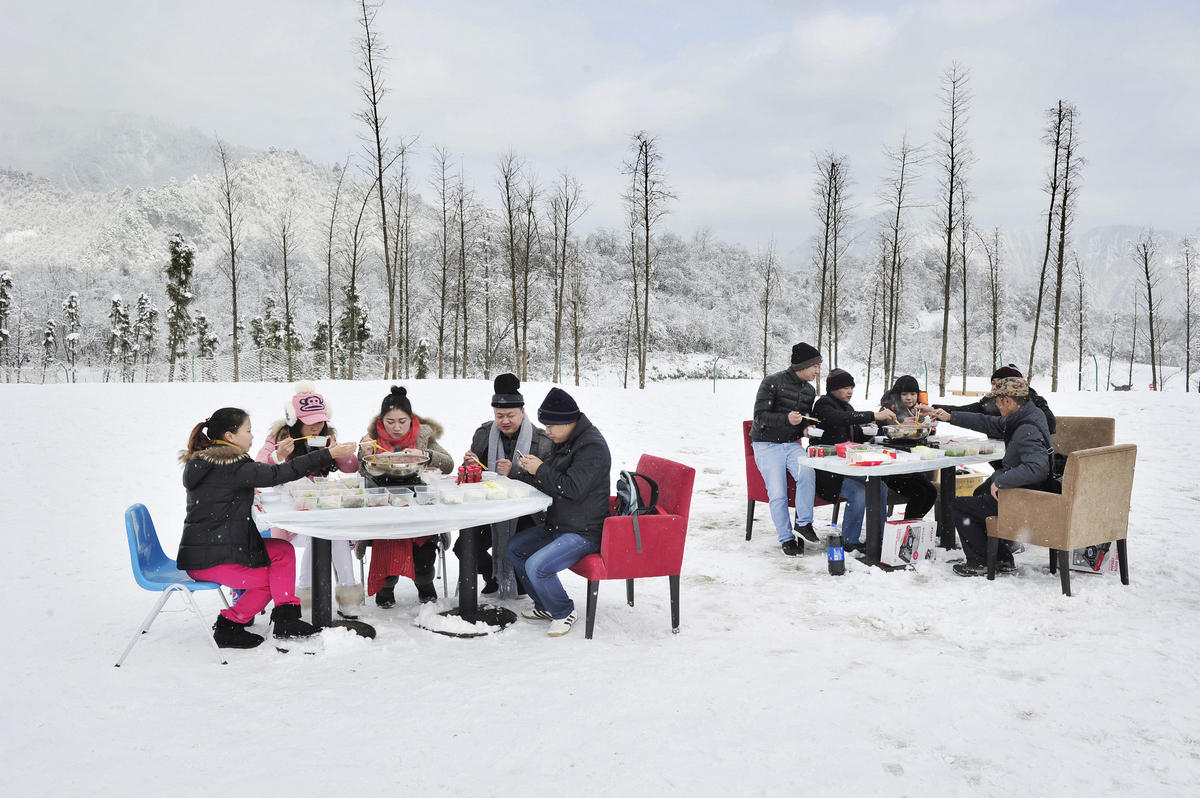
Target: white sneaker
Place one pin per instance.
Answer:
(560, 627)
(537, 615)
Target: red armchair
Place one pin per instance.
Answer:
(663, 537)
(756, 489)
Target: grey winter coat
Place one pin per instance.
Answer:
(220, 482)
(779, 394)
(576, 474)
(1027, 448)
(987, 405)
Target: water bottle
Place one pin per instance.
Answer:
(836, 555)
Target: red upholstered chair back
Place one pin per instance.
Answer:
(674, 484)
(756, 489)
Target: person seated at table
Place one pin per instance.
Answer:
(987, 405)
(575, 474)
(917, 489)
(306, 415)
(397, 429)
(494, 446)
(841, 423)
(783, 401)
(220, 541)
(1026, 464)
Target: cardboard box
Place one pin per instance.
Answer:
(907, 542)
(1100, 559)
(965, 484)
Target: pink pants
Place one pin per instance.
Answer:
(276, 582)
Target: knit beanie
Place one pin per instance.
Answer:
(838, 378)
(508, 391)
(307, 405)
(906, 383)
(558, 408)
(1006, 371)
(803, 356)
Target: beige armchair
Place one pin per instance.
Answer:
(1073, 433)
(1093, 507)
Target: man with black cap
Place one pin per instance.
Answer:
(495, 446)
(1026, 464)
(782, 409)
(576, 474)
(840, 423)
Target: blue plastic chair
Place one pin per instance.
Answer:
(155, 571)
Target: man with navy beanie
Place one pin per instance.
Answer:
(576, 475)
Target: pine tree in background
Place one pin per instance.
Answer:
(145, 330)
(120, 346)
(6, 295)
(258, 332)
(354, 329)
(320, 345)
(49, 345)
(421, 357)
(70, 308)
(272, 325)
(179, 296)
(206, 339)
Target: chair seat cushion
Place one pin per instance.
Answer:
(591, 568)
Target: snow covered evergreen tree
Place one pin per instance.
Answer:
(120, 344)
(421, 357)
(49, 345)
(6, 296)
(179, 294)
(145, 330)
(206, 339)
(70, 308)
(354, 329)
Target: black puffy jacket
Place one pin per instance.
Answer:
(778, 395)
(840, 423)
(220, 482)
(576, 474)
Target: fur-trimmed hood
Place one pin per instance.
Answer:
(435, 429)
(216, 454)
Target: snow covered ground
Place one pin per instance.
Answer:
(783, 681)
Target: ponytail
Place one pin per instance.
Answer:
(197, 440)
(213, 428)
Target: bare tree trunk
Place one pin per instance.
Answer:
(441, 186)
(1112, 343)
(284, 244)
(1189, 256)
(964, 261)
(1070, 163)
(955, 158)
(769, 277)
(648, 204)
(337, 195)
(896, 194)
(1082, 305)
(509, 175)
(1132, 343)
(231, 224)
(1056, 116)
(1145, 249)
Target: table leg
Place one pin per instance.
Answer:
(322, 582)
(945, 522)
(874, 520)
(468, 597)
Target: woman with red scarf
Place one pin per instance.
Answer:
(396, 429)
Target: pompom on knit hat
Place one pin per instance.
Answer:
(803, 356)
(838, 378)
(558, 408)
(307, 405)
(906, 383)
(1006, 371)
(507, 391)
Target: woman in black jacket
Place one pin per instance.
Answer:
(220, 542)
(917, 489)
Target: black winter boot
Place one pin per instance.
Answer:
(231, 634)
(288, 623)
(426, 592)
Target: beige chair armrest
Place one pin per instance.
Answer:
(1030, 516)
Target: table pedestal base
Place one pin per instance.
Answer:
(866, 560)
(488, 619)
(358, 627)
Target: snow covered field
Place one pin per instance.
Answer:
(783, 680)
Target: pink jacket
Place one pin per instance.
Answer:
(347, 465)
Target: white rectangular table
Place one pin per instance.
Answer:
(875, 512)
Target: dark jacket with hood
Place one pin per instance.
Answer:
(539, 446)
(778, 395)
(220, 482)
(987, 406)
(841, 423)
(576, 475)
(1027, 447)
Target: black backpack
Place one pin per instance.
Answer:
(629, 500)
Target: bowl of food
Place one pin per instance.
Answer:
(908, 432)
(395, 464)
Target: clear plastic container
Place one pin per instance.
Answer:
(354, 500)
(426, 494)
(378, 497)
(305, 502)
(453, 495)
(351, 480)
(330, 501)
(494, 489)
(474, 492)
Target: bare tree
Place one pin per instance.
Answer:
(373, 53)
(466, 218)
(897, 197)
(399, 276)
(1071, 164)
(530, 243)
(331, 231)
(1145, 251)
(353, 327)
(283, 239)
(954, 158)
(964, 260)
(230, 222)
(441, 187)
(877, 293)
(578, 297)
(1188, 258)
(508, 180)
(768, 275)
(992, 250)
(830, 198)
(1052, 135)
(566, 207)
(647, 203)
(1077, 268)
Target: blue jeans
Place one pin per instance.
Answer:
(775, 461)
(854, 490)
(537, 556)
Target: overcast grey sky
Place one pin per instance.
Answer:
(741, 94)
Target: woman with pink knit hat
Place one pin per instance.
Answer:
(305, 427)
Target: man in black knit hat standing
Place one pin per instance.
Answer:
(783, 401)
(494, 446)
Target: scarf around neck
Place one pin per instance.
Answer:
(502, 531)
(388, 443)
